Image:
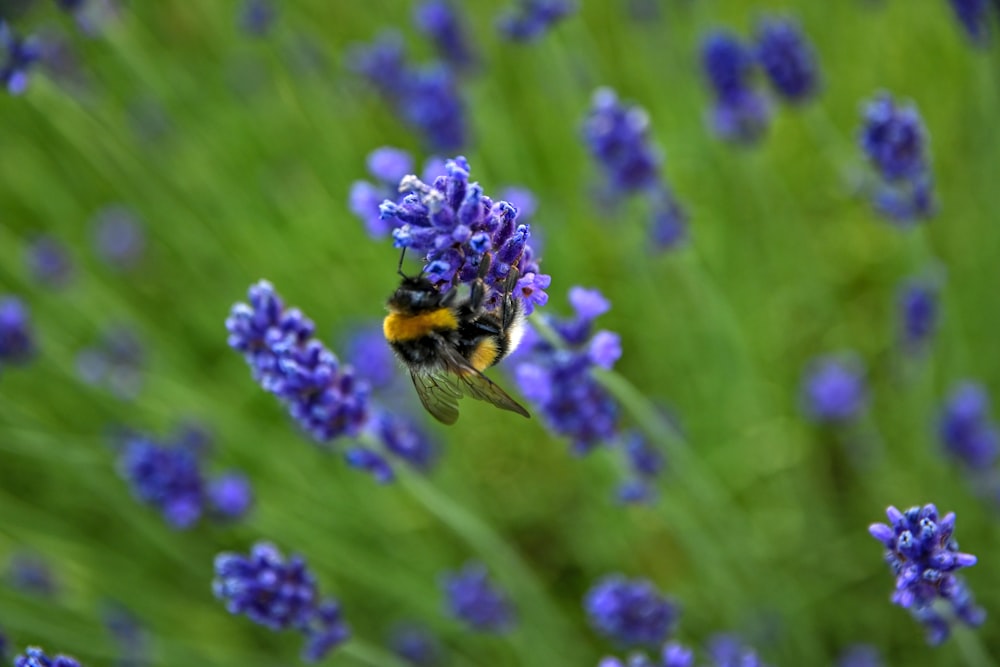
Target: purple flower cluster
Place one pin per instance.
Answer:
(387, 166)
(18, 55)
(17, 339)
(49, 262)
(894, 140)
(556, 379)
(645, 463)
(129, 634)
(630, 612)
(975, 16)
(416, 646)
(451, 224)
(966, 430)
(473, 599)
(860, 655)
(284, 356)
(834, 389)
(618, 138)
(439, 20)
(918, 314)
(280, 594)
(401, 435)
(35, 657)
(739, 114)
(30, 573)
(170, 478)
(115, 363)
(119, 237)
(782, 50)
(256, 17)
(787, 58)
(533, 19)
(426, 98)
(924, 557)
(723, 650)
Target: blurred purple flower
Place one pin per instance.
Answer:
(230, 495)
(739, 114)
(49, 261)
(257, 17)
(116, 362)
(17, 339)
(630, 611)
(18, 55)
(440, 21)
(119, 237)
(834, 389)
(474, 600)
(530, 20)
(30, 573)
(416, 645)
(788, 59)
(966, 430)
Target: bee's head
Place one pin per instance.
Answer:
(415, 294)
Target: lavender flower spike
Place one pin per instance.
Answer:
(425, 98)
(168, 478)
(788, 59)
(739, 114)
(966, 430)
(439, 20)
(451, 224)
(533, 19)
(35, 657)
(280, 594)
(17, 340)
(834, 389)
(974, 15)
(18, 55)
(618, 137)
(558, 381)
(473, 599)
(894, 140)
(287, 360)
(631, 612)
(924, 557)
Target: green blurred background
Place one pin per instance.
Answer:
(237, 154)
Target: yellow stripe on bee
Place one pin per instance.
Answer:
(398, 326)
(485, 354)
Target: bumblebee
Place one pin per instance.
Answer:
(447, 343)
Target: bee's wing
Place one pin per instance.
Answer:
(439, 393)
(473, 383)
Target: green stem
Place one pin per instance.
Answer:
(724, 525)
(371, 654)
(970, 645)
(508, 565)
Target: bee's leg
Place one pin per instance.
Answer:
(399, 267)
(477, 295)
(509, 310)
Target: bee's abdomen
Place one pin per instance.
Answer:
(399, 327)
(422, 353)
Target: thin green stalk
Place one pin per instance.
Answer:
(527, 590)
(371, 654)
(970, 645)
(724, 524)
